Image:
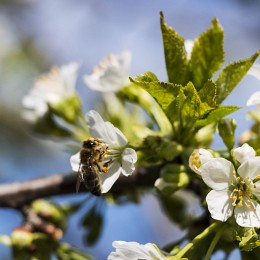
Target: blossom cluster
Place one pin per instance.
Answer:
(234, 189)
(234, 181)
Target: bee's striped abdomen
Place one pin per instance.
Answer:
(91, 179)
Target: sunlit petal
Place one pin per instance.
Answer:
(198, 158)
(247, 217)
(129, 158)
(75, 162)
(250, 168)
(217, 173)
(104, 130)
(109, 178)
(219, 205)
(134, 251)
(244, 153)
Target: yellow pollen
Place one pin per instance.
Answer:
(254, 185)
(105, 169)
(240, 203)
(234, 204)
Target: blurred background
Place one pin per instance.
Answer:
(34, 35)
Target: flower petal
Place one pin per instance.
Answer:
(243, 153)
(68, 74)
(109, 178)
(255, 70)
(75, 162)
(219, 205)
(129, 157)
(217, 173)
(134, 251)
(121, 139)
(104, 130)
(247, 217)
(111, 74)
(35, 104)
(255, 190)
(188, 46)
(250, 168)
(254, 99)
(198, 158)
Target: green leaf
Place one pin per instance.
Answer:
(208, 93)
(215, 115)
(175, 54)
(231, 75)
(226, 128)
(157, 149)
(207, 54)
(174, 110)
(187, 106)
(193, 108)
(163, 93)
(248, 240)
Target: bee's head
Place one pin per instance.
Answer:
(89, 143)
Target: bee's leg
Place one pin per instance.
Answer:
(105, 166)
(98, 166)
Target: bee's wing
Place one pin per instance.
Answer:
(78, 184)
(79, 179)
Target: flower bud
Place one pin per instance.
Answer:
(198, 158)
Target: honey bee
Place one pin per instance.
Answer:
(92, 154)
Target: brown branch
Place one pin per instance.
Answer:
(17, 194)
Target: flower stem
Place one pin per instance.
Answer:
(143, 99)
(214, 243)
(202, 235)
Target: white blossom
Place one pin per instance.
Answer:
(255, 70)
(111, 74)
(254, 99)
(188, 46)
(234, 191)
(244, 153)
(135, 251)
(50, 88)
(198, 158)
(121, 159)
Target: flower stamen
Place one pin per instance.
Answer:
(241, 190)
